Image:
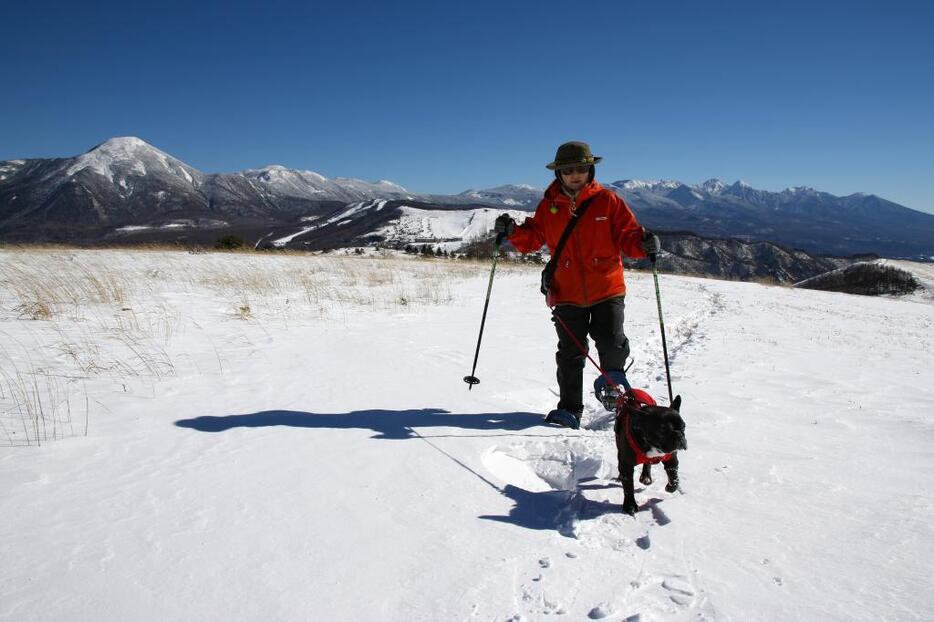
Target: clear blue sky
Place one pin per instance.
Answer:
(445, 96)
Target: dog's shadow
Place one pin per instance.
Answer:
(559, 510)
(386, 424)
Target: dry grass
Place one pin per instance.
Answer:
(34, 405)
(116, 315)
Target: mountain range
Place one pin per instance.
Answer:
(125, 190)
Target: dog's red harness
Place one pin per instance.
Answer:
(635, 399)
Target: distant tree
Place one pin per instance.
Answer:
(230, 242)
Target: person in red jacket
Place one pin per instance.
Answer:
(587, 291)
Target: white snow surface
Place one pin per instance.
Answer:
(346, 215)
(457, 226)
(287, 437)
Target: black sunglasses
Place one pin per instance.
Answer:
(576, 170)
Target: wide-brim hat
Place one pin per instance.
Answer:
(574, 153)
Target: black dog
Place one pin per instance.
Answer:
(647, 434)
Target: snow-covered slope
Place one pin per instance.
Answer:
(288, 437)
(282, 181)
(454, 227)
(520, 196)
(122, 158)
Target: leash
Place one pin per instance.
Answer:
(661, 322)
(581, 347)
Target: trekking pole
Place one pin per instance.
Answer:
(661, 323)
(471, 379)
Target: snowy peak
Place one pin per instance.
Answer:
(656, 185)
(276, 174)
(712, 186)
(390, 185)
(521, 196)
(282, 181)
(10, 167)
(796, 190)
(127, 156)
(123, 146)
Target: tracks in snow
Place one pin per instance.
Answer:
(573, 477)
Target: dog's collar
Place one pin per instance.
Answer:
(641, 456)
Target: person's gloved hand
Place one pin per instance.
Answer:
(504, 225)
(650, 243)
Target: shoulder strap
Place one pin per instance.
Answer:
(552, 265)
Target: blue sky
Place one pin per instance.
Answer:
(445, 96)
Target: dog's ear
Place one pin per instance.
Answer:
(676, 405)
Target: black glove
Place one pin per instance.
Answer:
(650, 243)
(505, 225)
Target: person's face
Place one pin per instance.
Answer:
(575, 177)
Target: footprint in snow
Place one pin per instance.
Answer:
(545, 466)
(679, 590)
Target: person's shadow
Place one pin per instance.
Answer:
(547, 510)
(387, 424)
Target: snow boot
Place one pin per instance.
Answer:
(564, 418)
(607, 393)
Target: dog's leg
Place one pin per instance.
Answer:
(626, 472)
(671, 469)
(646, 477)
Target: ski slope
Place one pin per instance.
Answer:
(300, 446)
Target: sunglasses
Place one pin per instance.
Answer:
(576, 170)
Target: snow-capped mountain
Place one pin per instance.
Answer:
(127, 189)
(799, 217)
(520, 196)
(279, 181)
(122, 159)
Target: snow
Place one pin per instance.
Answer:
(353, 209)
(712, 186)
(443, 225)
(391, 185)
(126, 154)
(132, 228)
(288, 437)
(653, 185)
(203, 223)
(298, 183)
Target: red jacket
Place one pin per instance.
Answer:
(590, 269)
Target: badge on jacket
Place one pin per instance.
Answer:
(554, 208)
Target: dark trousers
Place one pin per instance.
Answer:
(603, 322)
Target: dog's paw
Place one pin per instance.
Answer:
(671, 486)
(630, 507)
(645, 479)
